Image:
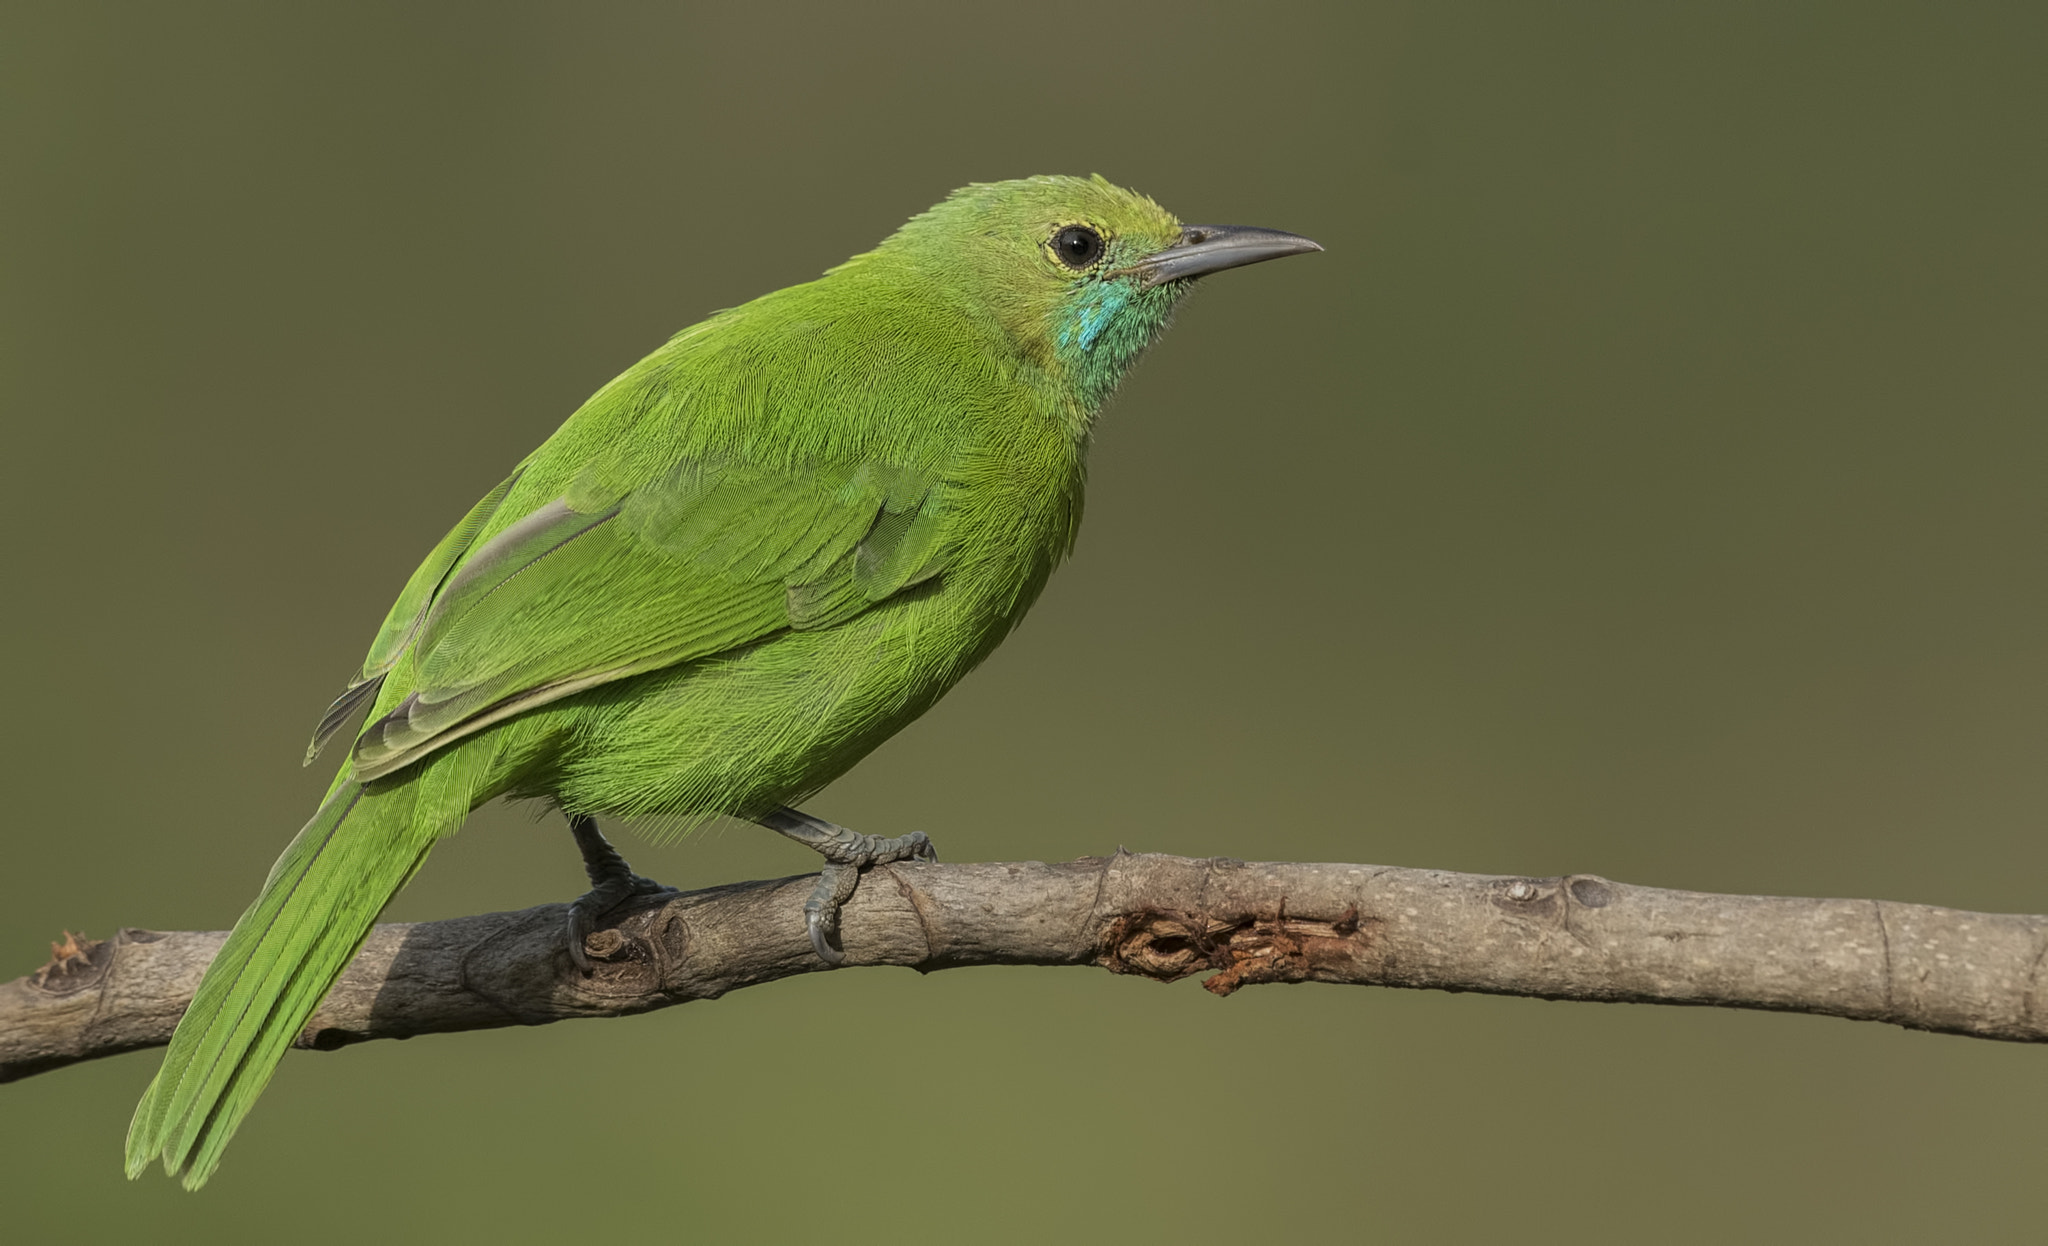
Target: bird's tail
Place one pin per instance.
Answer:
(313, 914)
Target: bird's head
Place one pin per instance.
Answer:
(1079, 274)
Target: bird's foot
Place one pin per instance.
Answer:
(846, 854)
(612, 883)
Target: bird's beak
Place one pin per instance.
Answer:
(1204, 249)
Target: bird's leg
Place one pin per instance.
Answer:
(612, 883)
(846, 854)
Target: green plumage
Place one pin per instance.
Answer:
(725, 579)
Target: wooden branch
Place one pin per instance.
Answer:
(1161, 917)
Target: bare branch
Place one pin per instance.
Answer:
(1161, 917)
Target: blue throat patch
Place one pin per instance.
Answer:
(1089, 318)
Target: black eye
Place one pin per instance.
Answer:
(1077, 246)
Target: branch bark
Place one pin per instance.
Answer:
(1163, 917)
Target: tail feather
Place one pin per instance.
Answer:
(312, 916)
(238, 995)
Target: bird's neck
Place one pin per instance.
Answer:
(1070, 349)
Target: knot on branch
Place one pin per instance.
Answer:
(1245, 949)
(74, 965)
(638, 954)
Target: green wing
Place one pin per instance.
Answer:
(708, 558)
(407, 613)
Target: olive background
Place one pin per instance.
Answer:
(1648, 481)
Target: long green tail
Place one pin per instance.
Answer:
(314, 912)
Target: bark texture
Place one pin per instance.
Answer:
(1163, 917)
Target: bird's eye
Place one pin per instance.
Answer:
(1077, 246)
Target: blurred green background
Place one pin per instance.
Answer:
(1648, 481)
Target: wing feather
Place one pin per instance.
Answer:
(708, 558)
(406, 615)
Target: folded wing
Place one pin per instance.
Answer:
(708, 558)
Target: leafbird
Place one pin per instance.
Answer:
(731, 574)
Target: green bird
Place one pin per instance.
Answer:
(730, 575)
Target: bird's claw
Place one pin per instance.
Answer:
(816, 922)
(846, 854)
(835, 886)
